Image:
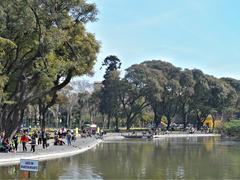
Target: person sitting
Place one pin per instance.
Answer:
(2, 148)
(6, 145)
(58, 142)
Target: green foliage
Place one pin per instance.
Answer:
(232, 128)
(164, 119)
(109, 94)
(43, 44)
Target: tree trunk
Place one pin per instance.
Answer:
(103, 120)
(168, 122)
(12, 121)
(129, 123)
(116, 123)
(35, 116)
(185, 120)
(213, 119)
(157, 119)
(199, 122)
(79, 120)
(108, 121)
(43, 121)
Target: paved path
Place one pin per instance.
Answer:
(80, 145)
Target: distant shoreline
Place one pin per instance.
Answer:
(118, 136)
(185, 135)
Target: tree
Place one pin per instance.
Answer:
(150, 83)
(43, 45)
(186, 93)
(109, 94)
(235, 84)
(133, 89)
(168, 103)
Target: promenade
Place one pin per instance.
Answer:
(52, 152)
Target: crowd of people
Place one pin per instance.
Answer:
(35, 138)
(23, 137)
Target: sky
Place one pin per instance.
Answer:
(202, 34)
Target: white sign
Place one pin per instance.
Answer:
(28, 165)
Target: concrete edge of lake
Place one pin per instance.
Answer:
(119, 136)
(185, 135)
(113, 136)
(65, 152)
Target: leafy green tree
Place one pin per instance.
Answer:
(43, 45)
(223, 97)
(133, 89)
(168, 104)
(150, 82)
(211, 96)
(186, 93)
(236, 85)
(109, 94)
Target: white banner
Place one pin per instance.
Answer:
(28, 165)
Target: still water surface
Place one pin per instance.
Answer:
(173, 158)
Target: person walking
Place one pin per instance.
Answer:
(33, 143)
(15, 141)
(24, 140)
(69, 138)
(39, 133)
(44, 139)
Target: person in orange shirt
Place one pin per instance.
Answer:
(24, 139)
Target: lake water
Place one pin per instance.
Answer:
(172, 158)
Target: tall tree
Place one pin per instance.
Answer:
(109, 103)
(170, 76)
(186, 93)
(133, 89)
(43, 45)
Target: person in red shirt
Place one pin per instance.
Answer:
(24, 139)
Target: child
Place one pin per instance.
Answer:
(24, 140)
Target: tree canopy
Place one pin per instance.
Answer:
(43, 44)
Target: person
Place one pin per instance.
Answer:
(56, 138)
(15, 141)
(58, 141)
(74, 137)
(69, 138)
(33, 142)
(24, 139)
(6, 144)
(44, 139)
(39, 137)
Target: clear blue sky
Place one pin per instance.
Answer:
(203, 34)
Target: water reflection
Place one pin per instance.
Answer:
(182, 158)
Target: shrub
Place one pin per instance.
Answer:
(232, 128)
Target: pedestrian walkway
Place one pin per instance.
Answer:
(80, 145)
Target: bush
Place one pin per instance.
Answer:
(232, 128)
